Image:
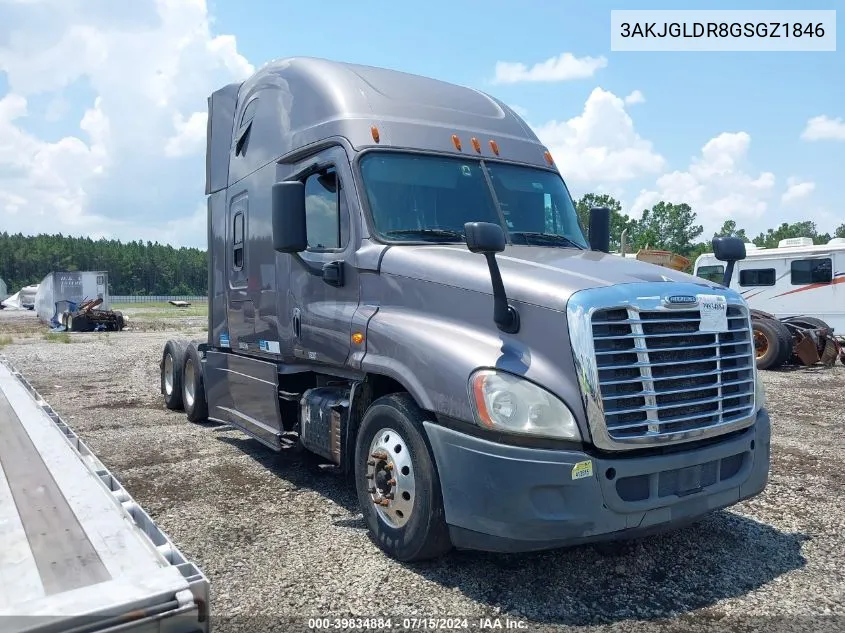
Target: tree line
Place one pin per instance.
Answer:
(134, 268)
(674, 227)
(138, 268)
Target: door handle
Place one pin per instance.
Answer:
(297, 323)
(333, 273)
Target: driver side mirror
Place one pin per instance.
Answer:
(730, 250)
(288, 211)
(484, 237)
(600, 229)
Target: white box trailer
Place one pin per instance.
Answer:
(23, 299)
(796, 278)
(77, 553)
(59, 288)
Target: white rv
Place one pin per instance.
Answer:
(796, 278)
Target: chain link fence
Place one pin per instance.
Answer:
(156, 298)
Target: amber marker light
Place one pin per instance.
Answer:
(374, 132)
(495, 147)
(480, 404)
(456, 142)
(357, 338)
(476, 145)
(548, 156)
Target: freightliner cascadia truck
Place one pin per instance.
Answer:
(398, 283)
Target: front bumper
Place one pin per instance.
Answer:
(513, 499)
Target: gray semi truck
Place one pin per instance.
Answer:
(398, 283)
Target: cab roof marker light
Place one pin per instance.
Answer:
(494, 146)
(456, 142)
(476, 145)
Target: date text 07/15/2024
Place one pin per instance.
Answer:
(418, 624)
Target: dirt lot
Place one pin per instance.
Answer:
(278, 536)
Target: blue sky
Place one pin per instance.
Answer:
(103, 107)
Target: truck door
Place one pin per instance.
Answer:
(324, 296)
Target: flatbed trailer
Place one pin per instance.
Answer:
(78, 554)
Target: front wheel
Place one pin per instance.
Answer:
(397, 483)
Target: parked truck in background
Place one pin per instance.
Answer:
(398, 280)
(797, 308)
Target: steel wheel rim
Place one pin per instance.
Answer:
(390, 478)
(189, 383)
(761, 344)
(168, 374)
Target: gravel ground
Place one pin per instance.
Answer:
(278, 536)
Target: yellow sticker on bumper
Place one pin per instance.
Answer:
(582, 470)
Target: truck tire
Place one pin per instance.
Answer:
(771, 348)
(172, 362)
(193, 386)
(392, 457)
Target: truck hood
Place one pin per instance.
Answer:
(532, 274)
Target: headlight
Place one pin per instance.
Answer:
(508, 403)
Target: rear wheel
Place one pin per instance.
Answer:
(193, 388)
(772, 343)
(172, 362)
(397, 483)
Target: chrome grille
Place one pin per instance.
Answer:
(659, 376)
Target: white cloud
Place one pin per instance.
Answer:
(600, 144)
(716, 185)
(564, 67)
(821, 128)
(635, 97)
(135, 158)
(190, 135)
(797, 189)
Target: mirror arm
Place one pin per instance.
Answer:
(313, 269)
(729, 271)
(505, 315)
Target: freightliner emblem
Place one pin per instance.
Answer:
(681, 299)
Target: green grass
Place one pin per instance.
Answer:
(57, 337)
(5, 340)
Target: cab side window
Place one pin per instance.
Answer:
(326, 212)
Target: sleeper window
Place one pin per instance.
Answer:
(757, 277)
(811, 271)
(711, 273)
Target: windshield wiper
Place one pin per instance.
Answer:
(547, 238)
(456, 235)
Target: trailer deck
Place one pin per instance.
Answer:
(79, 554)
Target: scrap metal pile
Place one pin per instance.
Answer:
(84, 317)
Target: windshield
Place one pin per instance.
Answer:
(430, 198)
